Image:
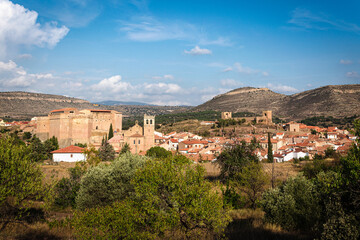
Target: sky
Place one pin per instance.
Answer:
(176, 52)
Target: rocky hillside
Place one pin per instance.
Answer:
(25, 105)
(332, 100)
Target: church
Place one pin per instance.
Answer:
(90, 126)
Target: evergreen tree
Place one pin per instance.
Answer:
(111, 131)
(106, 152)
(126, 148)
(270, 151)
(37, 150)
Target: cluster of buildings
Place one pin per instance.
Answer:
(90, 126)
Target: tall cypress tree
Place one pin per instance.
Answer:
(270, 151)
(111, 131)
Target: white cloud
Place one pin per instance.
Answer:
(165, 77)
(228, 69)
(161, 88)
(345, 61)
(14, 76)
(112, 84)
(265, 74)
(148, 29)
(221, 41)
(282, 88)
(352, 74)
(230, 83)
(18, 26)
(198, 51)
(24, 56)
(241, 69)
(304, 19)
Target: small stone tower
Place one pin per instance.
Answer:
(268, 116)
(226, 115)
(149, 128)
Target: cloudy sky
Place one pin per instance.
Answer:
(176, 52)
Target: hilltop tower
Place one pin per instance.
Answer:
(149, 128)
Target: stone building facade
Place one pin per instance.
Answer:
(90, 126)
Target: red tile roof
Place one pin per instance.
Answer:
(69, 149)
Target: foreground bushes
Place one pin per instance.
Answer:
(170, 197)
(294, 205)
(104, 184)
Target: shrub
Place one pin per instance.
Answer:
(294, 205)
(67, 189)
(170, 197)
(158, 152)
(105, 184)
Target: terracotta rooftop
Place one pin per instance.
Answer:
(69, 149)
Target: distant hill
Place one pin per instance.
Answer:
(116, 103)
(24, 105)
(332, 100)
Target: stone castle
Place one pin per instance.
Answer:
(90, 126)
(265, 119)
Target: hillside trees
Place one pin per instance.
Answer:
(170, 197)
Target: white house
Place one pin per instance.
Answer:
(69, 154)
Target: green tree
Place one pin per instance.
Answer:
(37, 150)
(126, 148)
(50, 145)
(158, 152)
(27, 135)
(106, 152)
(294, 205)
(111, 131)
(235, 157)
(20, 181)
(91, 156)
(67, 189)
(252, 181)
(105, 184)
(170, 197)
(270, 151)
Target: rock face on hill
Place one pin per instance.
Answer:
(332, 100)
(25, 105)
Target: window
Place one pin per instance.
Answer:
(139, 141)
(151, 121)
(147, 121)
(71, 155)
(134, 142)
(96, 127)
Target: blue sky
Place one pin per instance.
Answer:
(176, 52)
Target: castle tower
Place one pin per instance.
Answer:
(149, 128)
(268, 116)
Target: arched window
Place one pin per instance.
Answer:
(150, 121)
(147, 121)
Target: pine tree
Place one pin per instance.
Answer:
(111, 131)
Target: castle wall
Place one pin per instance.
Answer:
(42, 128)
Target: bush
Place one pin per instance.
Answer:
(170, 198)
(293, 206)
(105, 184)
(67, 189)
(158, 152)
